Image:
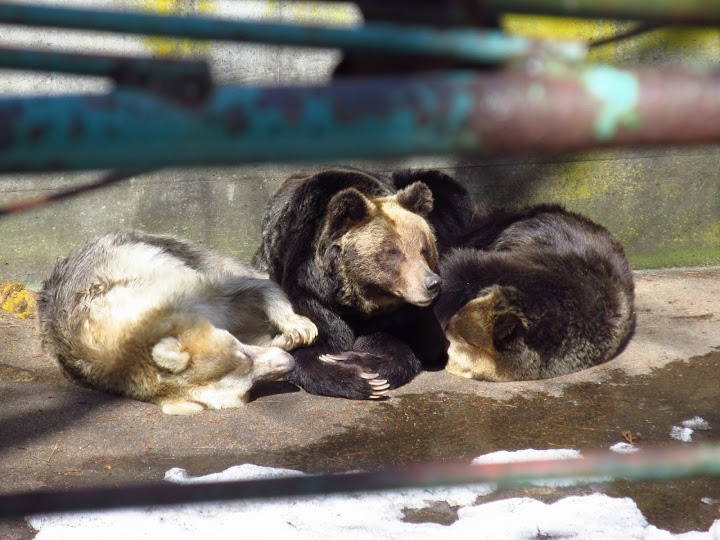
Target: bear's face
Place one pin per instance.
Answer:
(382, 249)
(486, 337)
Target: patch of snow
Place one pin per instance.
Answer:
(696, 423)
(683, 434)
(624, 448)
(362, 516)
(503, 456)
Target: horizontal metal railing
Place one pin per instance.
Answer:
(648, 464)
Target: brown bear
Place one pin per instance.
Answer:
(154, 318)
(358, 256)
(534, 292)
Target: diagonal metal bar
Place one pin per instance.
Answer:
(454, 113)
(108, 179)
(188, 81)
(650, 464)
(99, 65)
(461, 44)
(701, 12)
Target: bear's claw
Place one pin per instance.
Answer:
(360, 379)
(297, 332)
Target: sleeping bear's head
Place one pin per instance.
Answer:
(487, 337)
(381, 250)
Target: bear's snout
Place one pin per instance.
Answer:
(432, 284)
(271, 363)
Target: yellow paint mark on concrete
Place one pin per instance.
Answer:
(543, 27)
(16, 299)
(579, 181)
(162, 46)
(315, 12)
(665, 45)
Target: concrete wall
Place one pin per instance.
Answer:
(663, 203)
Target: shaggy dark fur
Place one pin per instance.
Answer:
(452, 210)
(534, 292)
(355, 266)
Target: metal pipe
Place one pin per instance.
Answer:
(187, 81)
(460, 44)
(31, 203)
(701, 12)
(454, 113)
(649, 464)
(99, 65)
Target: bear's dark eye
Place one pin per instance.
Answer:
(393, 252)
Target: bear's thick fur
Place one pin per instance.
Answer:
(358, 256)
(534, 292)
(158, 319)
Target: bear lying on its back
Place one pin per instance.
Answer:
(358, 257)
(534, 292)
(157, 319)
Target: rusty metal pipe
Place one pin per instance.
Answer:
(454, 113)
(655, 464)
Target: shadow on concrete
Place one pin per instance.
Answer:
(29, 420)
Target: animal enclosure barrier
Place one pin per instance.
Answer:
(530, 95)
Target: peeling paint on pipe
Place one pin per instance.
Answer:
(454, 113)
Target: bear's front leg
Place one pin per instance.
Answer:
(384, 354)
(318, 373)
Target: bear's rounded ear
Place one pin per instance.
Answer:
(416, 198)
(510, 322)
(508, 327)
(347, 208)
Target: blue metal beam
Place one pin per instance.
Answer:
(454, 113)
(461, 44)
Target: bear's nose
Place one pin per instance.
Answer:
(432, 284)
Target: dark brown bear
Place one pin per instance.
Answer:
(358, 257)
(535, 292)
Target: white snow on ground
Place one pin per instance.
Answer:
(683, 434)
(367, 516)
(696, 423)
(503, 456)
(624, 448)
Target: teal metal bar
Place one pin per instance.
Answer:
(99, 65)
(457, 113)
(460, 44)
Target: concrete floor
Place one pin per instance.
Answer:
(56, 435)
